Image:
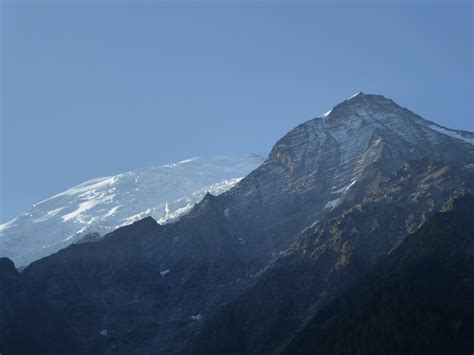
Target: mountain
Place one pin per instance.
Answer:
(418, 300)
(104, 204)
(378, 213)
(245, 271)
(28, 325)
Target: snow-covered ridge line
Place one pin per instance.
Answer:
(103, 204)
(356, 94)
(452, 133)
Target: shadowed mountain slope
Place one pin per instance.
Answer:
(27, 324)
(330, 257)
(419, 300)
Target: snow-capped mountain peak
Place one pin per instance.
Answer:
(103, 204)
(376, 109)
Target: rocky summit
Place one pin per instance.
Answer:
(246, 271)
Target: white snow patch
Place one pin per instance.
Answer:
(48, 215)
(310, 227)
(175, 215)
(112, 211)
(87, 187)
(327, 113)
(173, 165)
(451, 133)
(187, 160)
(103, 332)
(356, 94)
(226, 212)
(164, 272)
(196, 318)
(344, 189)
(83, 207)
(10, 224)
(333, 204)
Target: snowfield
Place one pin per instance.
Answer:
(101, 205)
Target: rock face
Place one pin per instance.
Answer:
(425, 285)
(375, 218)
(310, 169)
(27, 324)
(102, 205)
(334, 196)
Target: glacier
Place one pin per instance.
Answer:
(103, 204)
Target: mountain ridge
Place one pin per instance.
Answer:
(318, 190)
(423, 284)
(329, 257)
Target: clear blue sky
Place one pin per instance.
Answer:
(96, 89)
